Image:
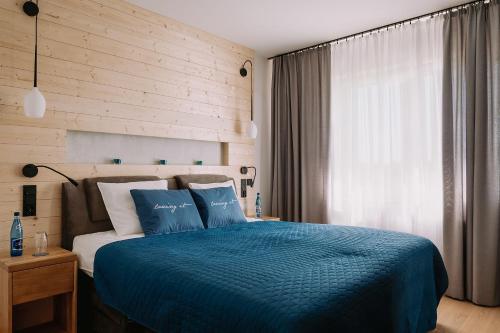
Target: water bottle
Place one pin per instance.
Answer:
(16, 237)
(258, 206)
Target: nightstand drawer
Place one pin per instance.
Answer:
(42, 282)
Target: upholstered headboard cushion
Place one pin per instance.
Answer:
(184, 180)
(76, 218)
(95, 204)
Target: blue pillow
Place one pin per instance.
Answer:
(166, 211)
(218, 206)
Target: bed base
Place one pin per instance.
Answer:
(96, 317)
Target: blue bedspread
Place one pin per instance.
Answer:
(274, 277)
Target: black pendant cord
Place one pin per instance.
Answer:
(36, 47)
(251, 86)
(385, 27)
(251, 91)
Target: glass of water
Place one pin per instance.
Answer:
(41, 243)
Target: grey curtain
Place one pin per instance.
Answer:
(471, 152)
(300, 135)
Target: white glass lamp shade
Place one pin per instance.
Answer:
(34, 104)
(252, 130)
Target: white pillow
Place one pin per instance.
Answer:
(228, 183)
(121, 206)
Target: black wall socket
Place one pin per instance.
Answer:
(29, 200)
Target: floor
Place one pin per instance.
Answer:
(461, 317)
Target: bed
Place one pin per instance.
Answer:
(263, 276)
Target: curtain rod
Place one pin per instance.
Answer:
(387, 26)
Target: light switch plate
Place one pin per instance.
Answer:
(29, 200)
(243, 188)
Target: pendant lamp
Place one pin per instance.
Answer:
(34, 102)
(251, 129)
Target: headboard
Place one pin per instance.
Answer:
(83, 210)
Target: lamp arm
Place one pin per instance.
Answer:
(254, 174)
(72, 181)
(251, 86)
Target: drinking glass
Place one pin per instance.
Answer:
(41, 242)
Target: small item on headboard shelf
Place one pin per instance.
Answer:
(117, 161)
(198, 162)
(163, 162)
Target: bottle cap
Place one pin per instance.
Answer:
(16, 213)
(258, 193)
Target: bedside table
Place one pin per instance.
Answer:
(38, 294)
(264, 218)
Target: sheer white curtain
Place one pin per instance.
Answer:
(386, 130)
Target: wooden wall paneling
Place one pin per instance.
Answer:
(93, 26)
(84, 105)
(21, 60)
(31, 225)
(207, 39)
(34, 154)
(45, 190)
(99, 57)
(22, 135)
(109, 66)
(241, 154)
(165, 29)
(165, 42)
(60, 102)
(102, 15)
(44, 208)
(18, 78)
(78, 122)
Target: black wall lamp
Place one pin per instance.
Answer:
(252, 128)
(247, 182)
(29, 191)
(31, 170)
(244, 171)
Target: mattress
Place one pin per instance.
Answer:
(274, 277)
(86, 246)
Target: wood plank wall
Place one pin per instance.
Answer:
(109, 66)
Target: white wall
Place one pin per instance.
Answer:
(101, 148)
(262, 117)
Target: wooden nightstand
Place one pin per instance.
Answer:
(265, 218)
(38, 294)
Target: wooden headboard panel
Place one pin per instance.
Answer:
(109, 66)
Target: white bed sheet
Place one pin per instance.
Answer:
(86, 246)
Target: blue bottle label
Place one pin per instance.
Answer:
(17, 244)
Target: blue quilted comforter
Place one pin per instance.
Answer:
(274, 277)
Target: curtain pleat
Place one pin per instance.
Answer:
(471, 152)
(300, 135)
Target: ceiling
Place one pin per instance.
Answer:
(271, 27)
